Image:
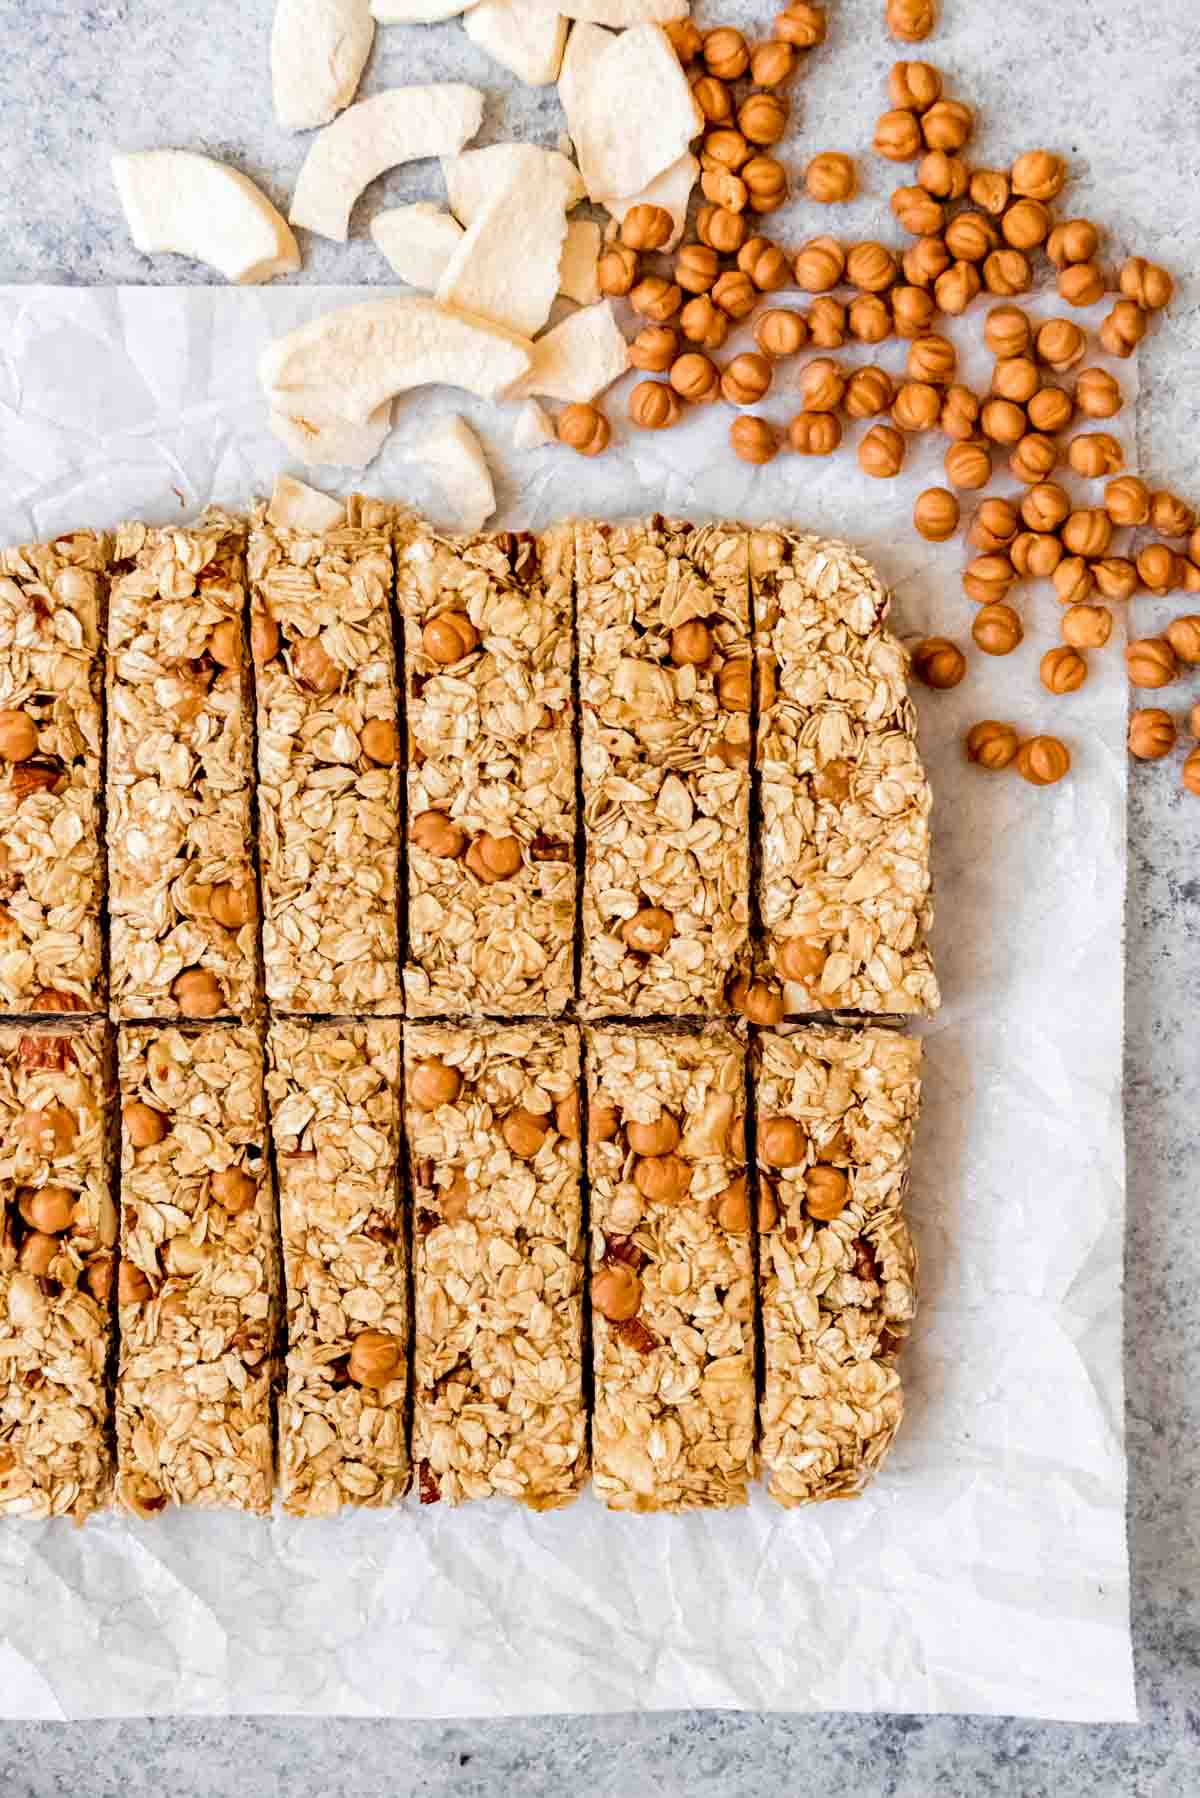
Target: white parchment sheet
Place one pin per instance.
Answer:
(986, 1568)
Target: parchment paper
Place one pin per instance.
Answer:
(986, 1568)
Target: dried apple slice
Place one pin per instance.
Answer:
(332, 442)
(418, 241)
(297, 507)
(452, 451)
(528, 39)
(342, 366)
(532, 429)
(578, 274)
(671, 190)
(486, 278)
(185, 204)
(417, 12)
(402, 125)
(578, 359)
(618, 14)
(630, 111)
(319, 49)
(476, 176)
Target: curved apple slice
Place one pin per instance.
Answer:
(335, 442)
(342, 366)
(402, 125)
(189, 205)
(318, 51)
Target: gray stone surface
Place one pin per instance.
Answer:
(1112, 84)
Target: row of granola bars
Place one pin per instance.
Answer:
(156, 1346)
(300, 766)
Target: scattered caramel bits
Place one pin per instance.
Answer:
(830, 178)
(801, 24)
(991, 745)
(584, 429)
(1147, 285)
(1151, 662)
(939, 663)
(936, 514)
(914, 85)
(911, 21)
(753, 439)
(1152, 734)
(1043, 761)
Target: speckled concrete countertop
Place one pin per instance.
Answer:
(1111, 84)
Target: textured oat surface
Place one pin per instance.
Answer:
(674, 1411)
(492, 751)
(329, 811)
(51, 858)
(498, 1405)
(55, 1316)
(198, 1290)
(179, 770)
(838, 1292)
(334, 1092)
(845, 837)
(665, 778)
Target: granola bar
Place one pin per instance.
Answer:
(491, 779)
(328, 755)
(58, 1231)
(197, 1289)
(51, 859)
(672, 1269)
(182, 894)
(844, 886)
(492, 1120)
(335, 1117)
(837, 1270)
(665, 678)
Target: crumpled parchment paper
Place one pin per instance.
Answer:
(986, 1569)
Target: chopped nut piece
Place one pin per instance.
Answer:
(55, 1327)
(197, 1364)
(329, 815)
(673, 1342)
(837, 1271)
(334, 1091)
(666, 900)
(498, 1388)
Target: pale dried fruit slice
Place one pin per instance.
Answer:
(486, 278)
(318, 51)
(629, 110)
(295, 507)
(586, 44)
(476, 176)
(578, 277)
(334, 442)
(417, 12)
(528, 39)
(533, 430)
(178, 202)
(402, 125)
(576, 360)
(671, 190)
(418, 241)
(618, 14)
(454, 453)
(344, 365)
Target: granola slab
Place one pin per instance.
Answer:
(197, 1289)
(492, 1121)
(51, 855)
(672, 1269)
(334, 1091)
(491, 777)
(182, 892)
(665, 679)
(58, 1232)
(837, 1270)
(844, 886)
(329, 763)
